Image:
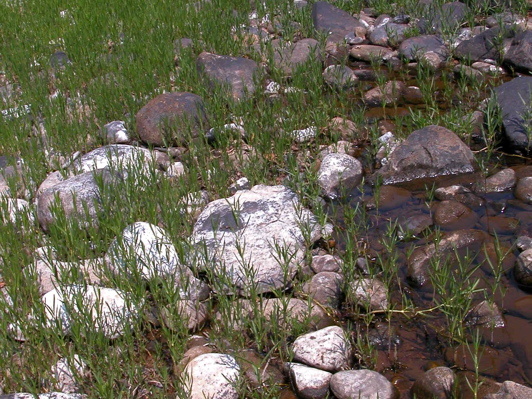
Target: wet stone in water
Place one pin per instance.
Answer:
(362, 384)
(523, 268)
(452, 215)
(436, 383)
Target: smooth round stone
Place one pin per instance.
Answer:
(523, 190)
(523, 268)
(212, 375)
(364, 384)
(436, 383)
(309, 383)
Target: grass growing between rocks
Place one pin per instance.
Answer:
(74, 68)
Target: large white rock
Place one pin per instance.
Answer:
(309, 383)
(119, 157)
(256, 238)
(213, 376)
(326, 349)
(104, 310)
(339, 172)
(144, 249)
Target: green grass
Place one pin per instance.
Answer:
(122, 55)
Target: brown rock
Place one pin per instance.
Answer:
(452, 215)
(172, 119)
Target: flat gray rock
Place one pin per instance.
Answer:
(255, 238)
(429, 152)
(330, 19)
(519, 55)
(362, 384)
(327, 349)
(413, 48)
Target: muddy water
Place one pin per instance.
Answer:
(406, 345)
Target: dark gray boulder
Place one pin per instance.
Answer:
(172, 119)
(235, 73)
(513, 98)
(486, 45)
(429, 152)
(445, 18)
(519, 55)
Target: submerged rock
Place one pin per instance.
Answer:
(429, 152)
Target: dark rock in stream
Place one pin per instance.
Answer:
(428, 152)
(452, 215)
(514, 98)
(486, 45)
(523, 268)
(523, 190)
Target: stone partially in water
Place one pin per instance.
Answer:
(523, 190)
(523, 268)
(369, 293)
(459, 193)
(511, 390)
(325, 288)
(365, 384)
(452, 215)
(419, 262)
(326, 349)
(429, 152)
(513, 98)
(436, 383)
(339, 172)
(501, 181)
(485, 314)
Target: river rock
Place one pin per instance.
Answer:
(67, 372)
(330, 19)
(485, 45)
(339, 77)
(235, 72)
(523, 268)
(523, 190)
(325, 288)
(326, 263)
(368, 293)
(453, 215)
(258, 371)
(337, 173)
(115, 132)
(369, 53)
(413, 48)
(485, 314)
(519, 55)
(78, 198)
(288, 57)
(186, 313)
(459, 193)
(390, 34)
(172, 118)
(428, 152)
(388, 197)
(444, 18)
(436, 383)
(499, 224)
(51, 273)
(145, 250)
(513, 98)
(326, 349)
(116, 157)
(213, 376)
(309, 382)
(256, 238)
(511, 390)
(365, 384)
(419, 261)
(104, 310)
(490, 361)
(504, 180)
(389, 94)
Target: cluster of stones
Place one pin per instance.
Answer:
(239, 238)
